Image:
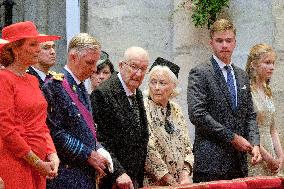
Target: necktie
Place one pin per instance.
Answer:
(135, 107)
(231, 86)
(83, 96)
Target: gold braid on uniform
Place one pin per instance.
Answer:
(56, 76)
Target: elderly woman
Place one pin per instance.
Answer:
(28, 154)
(169, 160)
(260, 67)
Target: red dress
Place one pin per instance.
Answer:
(23, 111)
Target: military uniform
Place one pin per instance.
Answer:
(73, 138)
(41, 81)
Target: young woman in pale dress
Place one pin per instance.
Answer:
(260, 67)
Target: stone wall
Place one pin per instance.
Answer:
(49, 17)
(120, 24)
(166, 31)
(278, 79)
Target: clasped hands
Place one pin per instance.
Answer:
(48, 167)
(241, 144)
(275, 165)
(101, 161)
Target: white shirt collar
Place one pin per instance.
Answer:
(220, 63)
(41, 74)
(71, 73)
(127, 91)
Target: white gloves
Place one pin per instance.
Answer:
(105, 153)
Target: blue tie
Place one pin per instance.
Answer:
(83, 95)
(231, 86)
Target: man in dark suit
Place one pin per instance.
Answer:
(70, 119)
(220, 106)
(46, 59)
(122, 123)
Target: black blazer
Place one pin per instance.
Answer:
(117, 129)
(33, 72)
(210, 110)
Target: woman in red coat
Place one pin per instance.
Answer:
(27, 153)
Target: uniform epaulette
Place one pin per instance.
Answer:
(56, 76)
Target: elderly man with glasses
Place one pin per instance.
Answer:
(122, 124)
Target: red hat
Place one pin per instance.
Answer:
(23, 30)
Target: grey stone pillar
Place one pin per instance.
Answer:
(49, 17)
(278, 78)
(190, 47)
(120, 24)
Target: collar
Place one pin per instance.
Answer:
(220, 63)
(127, 91)
(71, 73)
(40, 73)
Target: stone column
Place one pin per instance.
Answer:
(56, 25)
(253, 22)
(278, 77)
(49, 17)
(120, 24)
(190, 48)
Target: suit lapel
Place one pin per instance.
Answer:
(221, 81)
(240, 85)
(122, 99)
(34, 73)
(119, 93)
(74, 86)
(70, 80)
(140, 102)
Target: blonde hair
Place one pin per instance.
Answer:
(221, 26)
(256, 52)
(172, 77)
(83, 41)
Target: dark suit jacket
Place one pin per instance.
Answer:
(117, 129)
(210, 110)
(73, 139)
(33, 72)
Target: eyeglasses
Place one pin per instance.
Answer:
(136, 68)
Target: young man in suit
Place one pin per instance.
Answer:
(220, 106)
(70, 120)
(122, 123)
(46, 59)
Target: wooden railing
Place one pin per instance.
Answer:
(259, 182)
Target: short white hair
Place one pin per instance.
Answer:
(172, 77)
(134, 52)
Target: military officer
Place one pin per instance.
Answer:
(72, 126)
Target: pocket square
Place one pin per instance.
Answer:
(244, 87)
